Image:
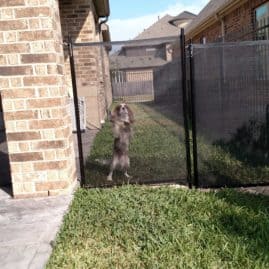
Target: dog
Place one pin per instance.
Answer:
(122, 119)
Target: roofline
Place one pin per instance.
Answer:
(214, 17)
(182, 19)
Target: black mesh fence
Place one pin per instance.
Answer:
(232, 106)
(144, 75)
(226, 109)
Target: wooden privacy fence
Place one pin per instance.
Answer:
(133, 86)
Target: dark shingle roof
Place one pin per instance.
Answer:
(210, 9)
(161, 28)
(123, 62)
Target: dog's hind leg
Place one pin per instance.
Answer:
(112, 168)
(127, 165)
(126, 174)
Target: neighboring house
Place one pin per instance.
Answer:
(132, 67)
(35, 86)
(230, 20)
(132, 76)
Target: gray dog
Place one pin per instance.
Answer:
(122, 119)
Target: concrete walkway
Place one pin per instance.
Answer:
(27, 229)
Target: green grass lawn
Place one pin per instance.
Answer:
(140, 227)
(157, 151)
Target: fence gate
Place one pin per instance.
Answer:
(147, 75)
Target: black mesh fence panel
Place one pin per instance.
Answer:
(145, 76)
(232, 106)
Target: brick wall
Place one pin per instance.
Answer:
(92, 71)
(211, 34)
(34, 101)
(236, 24)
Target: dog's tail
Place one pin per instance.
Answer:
(103, 162)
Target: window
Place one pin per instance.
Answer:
(262, 21)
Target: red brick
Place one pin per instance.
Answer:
(18, 93)
(9, 3)
(26, 157)
(14, 48)
(21, 115)
(16, 70)
(32, 12)
(13, 25)
(54, 165)
(43, 103)
(40, 80)
(38, 58)
(45, 124)
(22, 136)
(49, 144)
(53, 185)
(36, 35)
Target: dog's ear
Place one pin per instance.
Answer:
(110, 116)
(115, 114)
(131, 114)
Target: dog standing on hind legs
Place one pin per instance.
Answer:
(122, 119)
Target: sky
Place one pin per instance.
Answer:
(128, 18)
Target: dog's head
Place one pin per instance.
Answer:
(122, 112)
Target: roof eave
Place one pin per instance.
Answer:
(102, 8)
(233, 4)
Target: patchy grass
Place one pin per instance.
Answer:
(139, 227)
(157, 151)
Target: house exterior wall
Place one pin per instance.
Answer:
(79, 20)
(211, 34)
(34, 99)
(236, 22)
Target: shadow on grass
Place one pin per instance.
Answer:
(172, 110)
(143, 171)
(251, 226)
(249, 144)
(241, 161)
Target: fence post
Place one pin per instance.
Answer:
(193, 117)
(185, 106)
(267, 127)
(76, 105)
